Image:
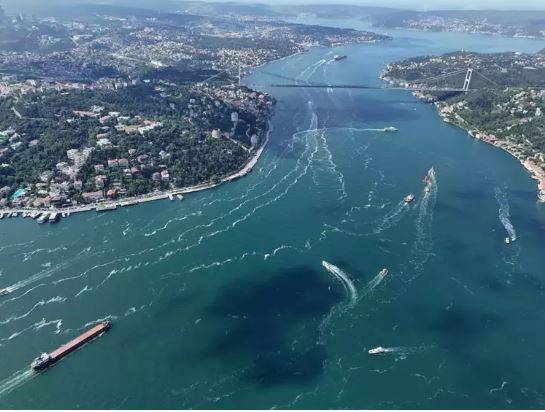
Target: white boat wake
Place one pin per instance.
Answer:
(423, 244)
(345, 281)
(14, 381)
(392, 217)
(373, 283)
(504, 214)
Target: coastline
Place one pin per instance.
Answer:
(153, 196)
(536, 172)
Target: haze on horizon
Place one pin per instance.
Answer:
(404, 4)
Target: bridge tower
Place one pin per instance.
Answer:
(467, 80)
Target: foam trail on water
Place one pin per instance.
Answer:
(344, 279)
(373, 283)
(406, 350)
(14, 381)
(392, 217)
(504, 213)
(423, 245)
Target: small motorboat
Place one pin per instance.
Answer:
(377, 351)
(390, 129)
(171, 197)
(507, 240)
(4, 292)
(409, 198)
(339, 57)
(180, 197)
(383, 272)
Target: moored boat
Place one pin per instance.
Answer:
(180, 197)
(171, 196)
(105, 208)
(54, 217)
(43, 218)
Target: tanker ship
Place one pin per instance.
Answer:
(48, 359)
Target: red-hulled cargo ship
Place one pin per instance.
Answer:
(48, 359)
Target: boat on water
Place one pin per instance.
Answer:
(106, 208)
(383, 272)
(48, 359)
(1, 216)
(377, 351)
(180, 197)
(390, 129)
(4, 292)
(171, 197)
(339, 57)
(14, 214)
(409, 198)
(54, 217)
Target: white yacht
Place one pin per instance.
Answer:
(377, 351)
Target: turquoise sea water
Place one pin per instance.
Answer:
(264, 292)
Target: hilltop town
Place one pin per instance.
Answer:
(505, 104)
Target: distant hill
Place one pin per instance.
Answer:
(531, 22)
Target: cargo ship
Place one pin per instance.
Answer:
(48, 359)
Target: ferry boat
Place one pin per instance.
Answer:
(339, 57)
(48, 359)
(377, 351)
(409, 198)
(4, 292)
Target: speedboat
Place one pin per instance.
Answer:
(383, 272)
(390, 129)
(409, 198)
(339, 57)
(4, 292)
(377, 351)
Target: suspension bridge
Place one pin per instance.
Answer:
(421, 86)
